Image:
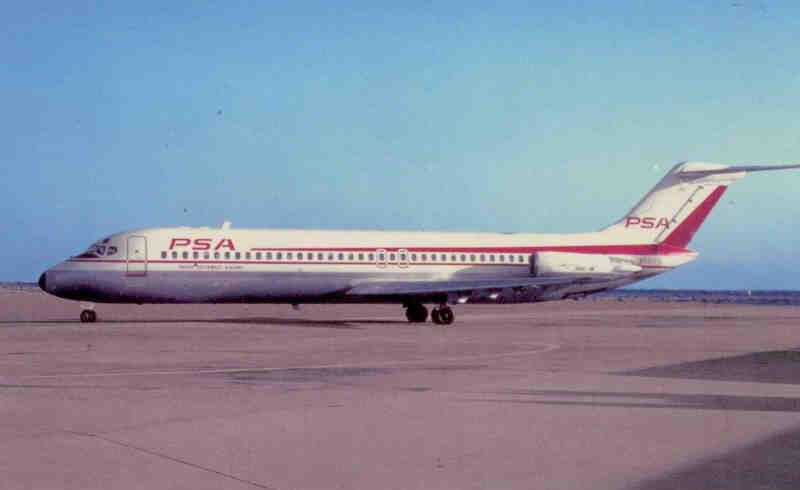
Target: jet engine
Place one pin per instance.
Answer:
(549, 264)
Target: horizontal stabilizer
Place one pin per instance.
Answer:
(734, 170)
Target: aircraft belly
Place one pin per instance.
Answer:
(208, 287)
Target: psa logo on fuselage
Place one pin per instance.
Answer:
(202, 244)
(646, 223)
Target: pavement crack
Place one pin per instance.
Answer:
(172, 458)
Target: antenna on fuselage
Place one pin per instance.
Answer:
(226, 225)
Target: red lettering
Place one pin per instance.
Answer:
(225, 243)
(647, 222)
(179, 242)
(632, 220)
(202, 244)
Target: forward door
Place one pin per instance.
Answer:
(137, 256)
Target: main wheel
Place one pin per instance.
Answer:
(435, 316)
(88, 316)
(416, 313)
(446, 316)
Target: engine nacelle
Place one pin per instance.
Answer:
(548, 264)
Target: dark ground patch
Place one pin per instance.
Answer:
(303, 375)
(651, 400)
(759, 367)
(769, 464)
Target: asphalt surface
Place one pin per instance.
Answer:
(570, 395)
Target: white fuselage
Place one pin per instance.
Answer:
(295, 266)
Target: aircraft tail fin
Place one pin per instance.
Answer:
(672, 212)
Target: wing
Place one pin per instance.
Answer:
(412, 288)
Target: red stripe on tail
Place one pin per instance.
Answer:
(682, 235)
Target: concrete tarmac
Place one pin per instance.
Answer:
(597, 394)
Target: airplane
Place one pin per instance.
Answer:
(227, 265)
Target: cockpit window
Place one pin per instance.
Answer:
(97, 250)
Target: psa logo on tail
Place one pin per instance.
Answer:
(646, 222)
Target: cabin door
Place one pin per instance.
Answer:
(137, 256)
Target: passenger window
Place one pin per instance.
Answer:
(424, 257)
(371, 257)
(289, 256)
(463, 258)
(174, 255)
(433, 257)
(195, 255)
(299, 255)
(163, 255)
(216, 255)
(269, 255)
(320, 256)
(278, 255)
(330, 256)
(483, 258)
(491, 258)
(350, 257)
(413, 257)
(185, 255)
(258, 255)
(341, 256)
(452, 258)
(472, 258)
(111, 250)
(501, 257)
(227, 255)
(381, 257)
(238, 255)
(360, 257)
(206, 255)
(443, 257)
(521, 259)
(247, 255)
(392, 257)
(403, 257)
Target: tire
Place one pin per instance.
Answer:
(446, 316)
(435, 316)
(88, 316)
(416, 313)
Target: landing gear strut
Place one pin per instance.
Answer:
(88, 316)
(416, 313)
(443, 315)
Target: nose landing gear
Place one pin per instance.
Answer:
(88, 316)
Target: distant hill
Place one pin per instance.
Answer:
(18, 286)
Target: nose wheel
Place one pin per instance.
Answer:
(443, 315)
(88, 316)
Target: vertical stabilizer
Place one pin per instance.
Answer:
(673, 211)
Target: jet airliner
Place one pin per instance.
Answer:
(413, 269)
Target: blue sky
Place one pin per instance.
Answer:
(428, 115)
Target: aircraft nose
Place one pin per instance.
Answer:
(43, 281)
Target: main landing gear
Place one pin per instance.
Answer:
(88, 316)
(443, 315)
(417, 313)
